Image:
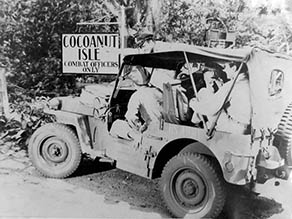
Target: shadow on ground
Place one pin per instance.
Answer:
(144, 195)
(90, 166)
(242, 204)
(119, 186)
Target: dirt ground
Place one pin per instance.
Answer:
(23, 190)
(120, 186)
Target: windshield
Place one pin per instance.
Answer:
(134, 76)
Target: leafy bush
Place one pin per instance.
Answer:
(31, 42)
(262, 26)
(26, 116)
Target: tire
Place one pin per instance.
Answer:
(191, 185)
(55, 151)
(283, 137)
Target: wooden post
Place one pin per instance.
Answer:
(4, 105)
(123, 44)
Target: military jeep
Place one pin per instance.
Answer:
(194, 162)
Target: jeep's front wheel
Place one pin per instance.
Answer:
(55, 151)
(191, 185)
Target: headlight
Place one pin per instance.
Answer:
(55, 103)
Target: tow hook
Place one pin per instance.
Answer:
(263, 174)
(283, 172)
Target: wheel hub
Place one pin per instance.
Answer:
(55, 150)
(189, 189)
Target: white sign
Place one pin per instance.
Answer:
(90, 53)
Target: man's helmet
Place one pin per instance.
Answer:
(143, 37)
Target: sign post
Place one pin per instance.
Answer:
(4, 105)
(99, 53)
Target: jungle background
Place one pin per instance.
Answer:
(30, 40)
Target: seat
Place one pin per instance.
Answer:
(169, 110)
(175, 107)
(183, 109)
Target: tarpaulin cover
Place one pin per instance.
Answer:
(267, 109)
(168, 55)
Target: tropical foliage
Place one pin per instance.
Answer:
(31, 31)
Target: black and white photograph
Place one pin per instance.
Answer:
(146, 109)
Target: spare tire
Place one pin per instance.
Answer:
(283, 136)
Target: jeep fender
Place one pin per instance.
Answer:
(78, 121)
(237, 166)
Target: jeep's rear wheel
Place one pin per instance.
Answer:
(283, 137)
(55, 150)
(191, 185)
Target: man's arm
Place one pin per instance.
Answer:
(211, 104)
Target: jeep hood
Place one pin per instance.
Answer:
(93, 99)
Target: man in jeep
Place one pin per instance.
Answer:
(146, 42)
(236, 115)
(143, 110)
